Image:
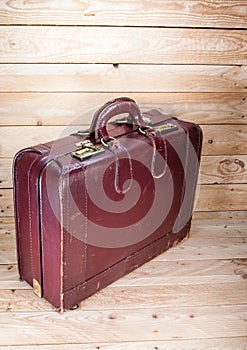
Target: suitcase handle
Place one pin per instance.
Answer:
(109, 110)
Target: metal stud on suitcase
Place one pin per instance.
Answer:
(95, 205)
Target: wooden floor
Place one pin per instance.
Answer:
(191, 297)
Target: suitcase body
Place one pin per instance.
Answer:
(95, 205)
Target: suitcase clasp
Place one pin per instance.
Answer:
(37, 288)
(165, 128)
(87, 150)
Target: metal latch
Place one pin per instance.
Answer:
(37, 288)
(87, 150)
(165, 128)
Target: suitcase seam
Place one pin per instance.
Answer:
(86, 223)
(29, 218)
(16, 191)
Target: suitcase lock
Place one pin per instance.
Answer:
(87, 150)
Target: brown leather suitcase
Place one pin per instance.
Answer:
(95, 205)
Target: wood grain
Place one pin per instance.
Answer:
(217, 140)
(175, 300)
(203, 245)
(8, 249)
(78, 108)
(221, 197)
(236, 343)
(6, 202)
(158, 273)
(208, 198)
(122, 78)
(188, 13)
(31, 135)
(218, 215)
(42, 44)
(136, 297)
(108, 325)
(199, 248)
(223, 169)
(213, 170)
(7, 225)
(6, 172)
(224, 139)
(222, 227)
(160, 296)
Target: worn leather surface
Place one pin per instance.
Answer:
(73, 226)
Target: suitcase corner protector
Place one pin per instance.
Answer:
(37, 288)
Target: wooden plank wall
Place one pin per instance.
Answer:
(60, 60)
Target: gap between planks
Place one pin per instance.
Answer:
(227, 343)
(189, 13)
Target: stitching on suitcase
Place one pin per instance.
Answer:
(16, 191)
(17, 221)
(41, 235)
(67, 213)
(29, 220)
(86, 224)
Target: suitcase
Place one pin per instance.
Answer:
(95, 205)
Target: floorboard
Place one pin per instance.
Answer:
(191, 297)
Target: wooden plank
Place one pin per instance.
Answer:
(209, 228)
(223, 214)
(40, 44)
(6, 203)
(7, 225)
(8, 249)
(78, 108)
(224, 139)
(169, 13)
(186, 272)
(31, 135)
(198, 248)
(223, 169)
(104, 326)
(159, 296)
(136, 297)
(9, 278)
(213, 169)
(203, 245)
(217, 140)
(220, 227)
(123, 78)
(208, 198)
(221, 197)
(6, 172)
(236, 343)
(158, 273)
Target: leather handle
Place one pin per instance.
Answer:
(109, 110)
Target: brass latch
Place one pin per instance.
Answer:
(37, 288)
(87, 150)
(165, 128)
